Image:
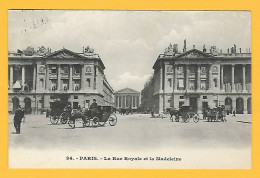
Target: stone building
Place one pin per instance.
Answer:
(200, 79)
(37, 80)
(127, 98)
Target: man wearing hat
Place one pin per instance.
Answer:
(19, 114)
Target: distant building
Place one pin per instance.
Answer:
(127, 98)
(36, 80)
(200, 79)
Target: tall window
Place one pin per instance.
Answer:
(170, 82)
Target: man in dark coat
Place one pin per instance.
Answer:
(19, 114)
(93, 108)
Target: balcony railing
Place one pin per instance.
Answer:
(227, 87)
(238, 87)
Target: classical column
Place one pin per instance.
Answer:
(70, 79)
(11, 76)
(244, 77)
(218, 81)
(125, 101)
(132, 101)
(23, 76)
(198, 77)
(233, 78)
(117, 102)
(83, 80)
(59, 79)
(175, 77)
(245, 107)
(222, 76)
(187, 77)
(210, 77)
(47, 82)
(34, 77)
(161, 78)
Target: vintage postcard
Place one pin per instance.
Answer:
(129, 89)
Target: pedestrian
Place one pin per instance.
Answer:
(234, 113)
(19, 114)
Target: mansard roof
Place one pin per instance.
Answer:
(127, 91)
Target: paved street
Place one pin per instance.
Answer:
(199, 145)
(133, 132)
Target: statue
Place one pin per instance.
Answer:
(184, 47)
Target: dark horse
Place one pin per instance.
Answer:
(174, 112)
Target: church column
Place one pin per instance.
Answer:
(187, 77)
(59, 79)
(34, 77)
(11, 76)
(70, 79)
(244, 78)
(198, 77)
(23, 76)
(233, 78)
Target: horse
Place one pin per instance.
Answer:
(174, 112)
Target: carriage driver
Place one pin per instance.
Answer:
(93, 108)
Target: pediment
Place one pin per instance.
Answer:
(127, 90)
(194, 53)
(64, 53)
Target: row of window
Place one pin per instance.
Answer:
(65, 70)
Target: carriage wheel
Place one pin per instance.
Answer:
(112, 119)
(95, 121)
(187, 118)
(87, 122)
(196, 118)
(71, 123)
(54, 119)
(101, 123)
(64, 118)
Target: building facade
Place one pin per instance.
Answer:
(36, 81)
(127, 98)
(200, 79)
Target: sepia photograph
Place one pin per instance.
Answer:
(129, 89)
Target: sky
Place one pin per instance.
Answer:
(128, 42)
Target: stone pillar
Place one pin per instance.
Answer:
(218, 82)
(234, 105)
(83, 80)
(222, 76)
(187, 77)
(59, 78)
(233, 78)
(47, 82)
(210, 77)
(161, 78)
(198, 77)
(199, 105)
(23, 76)
(132, 101)
(244, 78)
(175, 77)
(70, 79)
(11, 76)
(245, 106)
(34, 77)
(125, 101)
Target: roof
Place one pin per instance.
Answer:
(63, 53)
(128, 91)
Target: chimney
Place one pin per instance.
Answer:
(228, 50)
(193, 46)
(175, 48)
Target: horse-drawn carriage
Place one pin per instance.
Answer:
(185, 113)
(58, 112)
(95, 118)
(215, 114)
